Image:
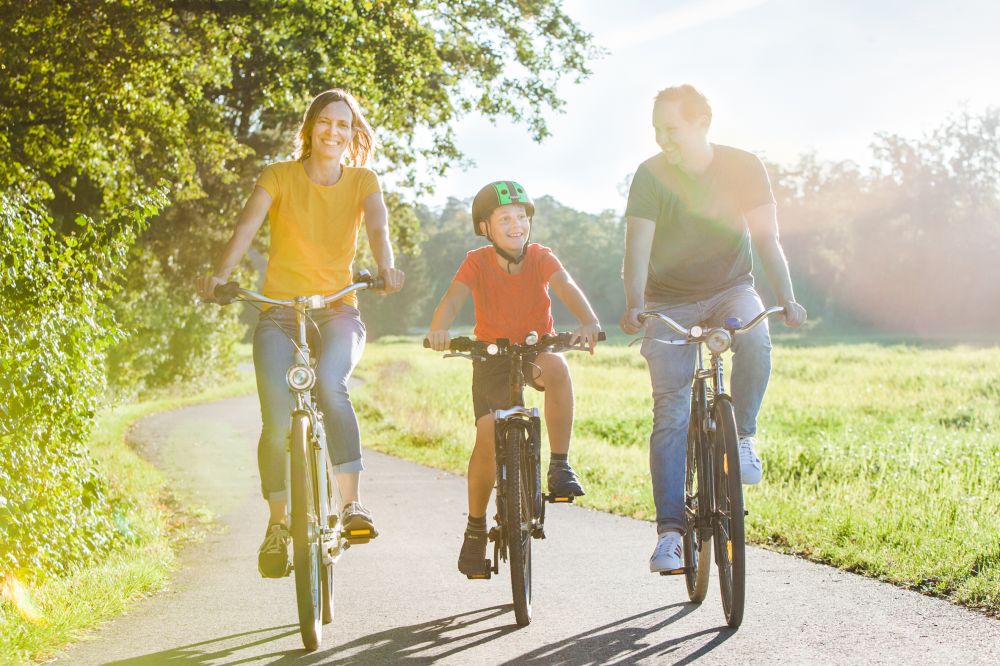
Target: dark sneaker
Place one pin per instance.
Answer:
(272, 558)
(563, 481)
(358, 524)
(472, 559)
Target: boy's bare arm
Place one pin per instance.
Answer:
(571, 296)
(445, 313)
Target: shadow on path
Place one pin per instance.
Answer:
(627, 640)
(205, 653)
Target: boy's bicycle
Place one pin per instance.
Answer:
(318, 539)
(520, 503)
(713, 489)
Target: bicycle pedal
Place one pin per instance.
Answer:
(485, 575)
(674, 572)
(558, 499)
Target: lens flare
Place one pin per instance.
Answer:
(16, 593)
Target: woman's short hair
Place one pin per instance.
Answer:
(362, 136)
(693, 103)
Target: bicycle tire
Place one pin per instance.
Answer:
(306, 544)
(730, 546)
(518, 521)
(697, 548)
(326, 581)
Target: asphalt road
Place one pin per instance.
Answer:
(401, 599)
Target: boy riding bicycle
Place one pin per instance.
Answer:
(509, 281)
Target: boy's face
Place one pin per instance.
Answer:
(509, 226)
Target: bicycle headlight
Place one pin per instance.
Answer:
(300, 378)
(718, 340)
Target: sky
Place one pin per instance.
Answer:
(784, 77)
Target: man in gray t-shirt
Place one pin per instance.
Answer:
(693, 210)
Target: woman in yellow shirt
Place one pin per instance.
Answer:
(315, 204)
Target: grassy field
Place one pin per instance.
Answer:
(880, 459)
(67, 607)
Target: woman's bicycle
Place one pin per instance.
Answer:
(713, 489)
(318, 539)
(520, 502)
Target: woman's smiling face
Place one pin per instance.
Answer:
(332, 131)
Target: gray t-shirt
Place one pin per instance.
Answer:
(701, 245)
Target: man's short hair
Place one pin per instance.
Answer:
(693, 103)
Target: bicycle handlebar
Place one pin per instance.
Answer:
(480, 348)
(686, 332)
(231, 291)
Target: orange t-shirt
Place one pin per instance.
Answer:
(510, 306)
(314, 229)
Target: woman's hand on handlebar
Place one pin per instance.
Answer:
(393, 279)
(206, 285)
(586, 334)
(439, 339)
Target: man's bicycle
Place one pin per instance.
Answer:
(318, 539)
(713, 489)
(520, 503)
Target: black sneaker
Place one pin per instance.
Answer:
(563, 481)
(472, 558)
(358, 524)
(272, 558)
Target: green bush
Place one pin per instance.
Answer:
(55, 511)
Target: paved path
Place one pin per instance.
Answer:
(400, 599)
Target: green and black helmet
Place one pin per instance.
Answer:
(496, 194)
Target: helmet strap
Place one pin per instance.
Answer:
(508, 257)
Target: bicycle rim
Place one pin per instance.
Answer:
(306, 545)
(518, 520)
(696, 547)
(730, 547)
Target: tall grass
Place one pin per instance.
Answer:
(880, 459)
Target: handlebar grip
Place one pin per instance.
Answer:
(601, 337)
(378, 283)
(226, 293)
(427, 343)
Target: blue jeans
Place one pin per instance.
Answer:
(338, 347)
(671, 368)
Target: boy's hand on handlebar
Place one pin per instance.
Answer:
(630, 321)
(586, 334)
(206, 285)
(795, 315)
(439, 339)
(393, 279)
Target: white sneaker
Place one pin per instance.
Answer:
(750, 468)
(667, 556)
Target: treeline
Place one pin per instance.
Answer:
(130, 134)
(908, 246)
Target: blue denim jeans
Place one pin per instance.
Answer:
(671, 369)
(338, 346)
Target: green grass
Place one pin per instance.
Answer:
(881, 459)
(159, 521)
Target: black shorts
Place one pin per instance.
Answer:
(490, 383)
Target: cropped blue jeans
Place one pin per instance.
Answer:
(338, 346)
(671, 369)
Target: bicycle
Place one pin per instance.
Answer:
(318, 539)
(520, 503)
(713, 489)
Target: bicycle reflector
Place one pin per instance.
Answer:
(492, 349)
(718, 340)
(300, 378)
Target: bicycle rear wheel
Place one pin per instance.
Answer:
(518, 520)
(730, 548)
(306, 544)
(696, 543)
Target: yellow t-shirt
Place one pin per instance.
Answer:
(314, 229)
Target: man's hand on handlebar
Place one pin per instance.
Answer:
(393, 279)
(587, 334)
(630, 321)
(795, 315)
(439, 339)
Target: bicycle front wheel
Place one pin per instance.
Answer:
(306, 544)
(696, 542)
(518, 520)
(730, 547)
